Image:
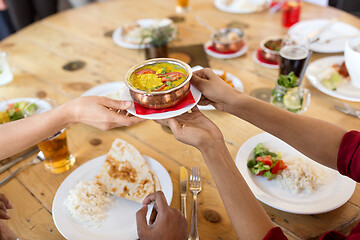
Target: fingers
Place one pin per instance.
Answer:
(5, 200)
(115, 104)
(159, 199)
(3, 211)
(153, 216)
(141, 220)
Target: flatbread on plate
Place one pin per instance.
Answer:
(126, 174)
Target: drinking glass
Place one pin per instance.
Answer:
(293, 54)
(182, 6)
(291, 12)
(294, 99)
(55, 149)
(6, 75)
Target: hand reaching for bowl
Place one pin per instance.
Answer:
(4, 205)
(194, 129)
(215, 91)
(100, 112)
(165, 222)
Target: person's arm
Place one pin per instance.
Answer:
(248, 218)
(315, 138)
(100, 112)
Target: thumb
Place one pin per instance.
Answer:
(141, 220)
(116, 104)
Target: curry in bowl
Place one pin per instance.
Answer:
(160, 76)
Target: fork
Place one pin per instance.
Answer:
(195, 188)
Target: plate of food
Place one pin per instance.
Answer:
(99, 199)
(229, 78)
(285, 179)
(13, 109)
(330, 40)
(130, 34)
(242, 6)
(329, 75)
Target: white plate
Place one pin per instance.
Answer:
(236, 82)
(255, 58)
(4, 104)
(255, 6)
(239, 53)
(145, 23)
(104, 89)
(337, 29)
(195, 92)
(345, 90)
(328, 197)
(120, 222)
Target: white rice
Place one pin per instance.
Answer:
(86, 202)
(301, 175)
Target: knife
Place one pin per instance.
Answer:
(183, 188)
(347, 109)
(27, 153)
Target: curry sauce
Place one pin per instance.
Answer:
(158, 77)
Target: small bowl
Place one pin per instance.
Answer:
(269, 54)
(160, 99)
(228, 39)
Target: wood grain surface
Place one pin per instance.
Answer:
(39, 52)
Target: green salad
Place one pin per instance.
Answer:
(15, 111)
(265, 163)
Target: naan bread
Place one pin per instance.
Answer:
(126, 174)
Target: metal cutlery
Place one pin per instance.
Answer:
(17, 159)
(347, 109)
(39, 158)
(325, 41)
(183, 188)
(195, 188)
(313, 37)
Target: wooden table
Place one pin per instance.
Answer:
(39, 52)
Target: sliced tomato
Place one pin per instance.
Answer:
(280, 165)
(161, 87)
(265, 159)
(145, 71)
(165, 79)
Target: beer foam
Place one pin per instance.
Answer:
(293, 52)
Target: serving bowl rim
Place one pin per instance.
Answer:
(265, 49)
(182, 64)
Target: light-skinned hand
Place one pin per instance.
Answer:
(165, 222)
(100, 112)
(215, 90)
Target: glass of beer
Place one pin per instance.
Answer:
(293, 54)
(55, 149)
(182, 6)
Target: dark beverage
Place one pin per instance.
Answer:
(292, 59)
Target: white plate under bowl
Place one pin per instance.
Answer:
(221, 5)
(235, 80)
(337, 29)
(195, 92)
(214, 54)
(345, 90)
(104, 89)
(255, 58)
(120, 220)
(336, 192)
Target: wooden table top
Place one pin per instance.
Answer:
(39, 52)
